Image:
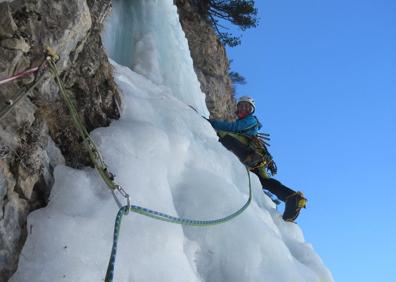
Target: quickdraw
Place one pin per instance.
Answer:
(11, 103)
(19, 75)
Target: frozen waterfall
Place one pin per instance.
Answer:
(168, 159)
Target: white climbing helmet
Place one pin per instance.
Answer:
(249, 100)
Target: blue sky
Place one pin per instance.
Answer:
(323, 74)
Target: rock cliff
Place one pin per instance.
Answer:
(32, 132)
(209, 56)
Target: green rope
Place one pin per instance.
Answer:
(93, 151)
(168, 218)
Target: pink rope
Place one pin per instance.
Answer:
(18, 75)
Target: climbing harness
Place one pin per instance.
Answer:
(258, 143)
(250, 150)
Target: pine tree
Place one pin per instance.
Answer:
(237, 78)
(239, 12)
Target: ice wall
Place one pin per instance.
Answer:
(147, 37)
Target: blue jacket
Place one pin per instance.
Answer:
(248, 125)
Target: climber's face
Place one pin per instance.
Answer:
(243, 109)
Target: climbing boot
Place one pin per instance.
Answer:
(294, 203)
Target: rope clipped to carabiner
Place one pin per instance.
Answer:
(92, 148)
(125, 195)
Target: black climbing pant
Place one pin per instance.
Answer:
(274, 186)
(242, 150)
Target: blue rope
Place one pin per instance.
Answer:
(117, 226)
(164, 217)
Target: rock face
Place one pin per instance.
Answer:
(37, 134)
(32, 132)
(209, 56)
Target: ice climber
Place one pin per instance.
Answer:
(243, 139)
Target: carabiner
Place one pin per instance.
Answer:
(125, 195)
